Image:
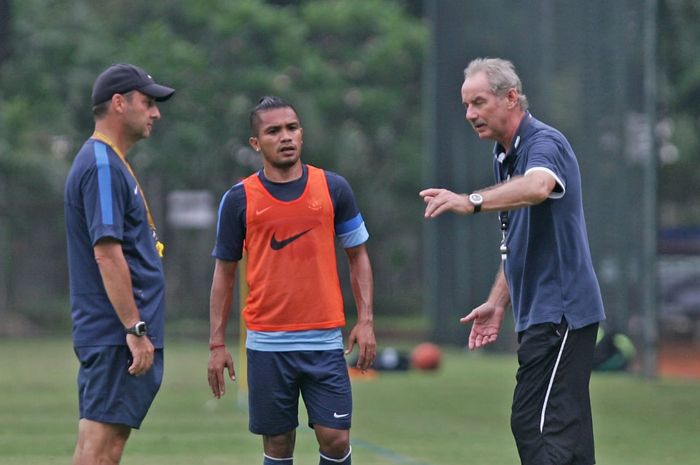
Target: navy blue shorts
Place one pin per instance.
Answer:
(275, 380)
(107, 393)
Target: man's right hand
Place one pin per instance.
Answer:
(219, 358)
(439, 201)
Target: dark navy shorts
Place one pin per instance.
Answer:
(551, 415)
(107, 393)
(275, 380)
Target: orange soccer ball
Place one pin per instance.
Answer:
(426, 356)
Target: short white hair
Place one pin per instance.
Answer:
(501, 76)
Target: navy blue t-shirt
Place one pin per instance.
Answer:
(102, 199)
(549, 268)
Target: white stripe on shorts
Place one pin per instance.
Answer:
(551, 380)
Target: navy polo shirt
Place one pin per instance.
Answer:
(102, 199)
(549, 269)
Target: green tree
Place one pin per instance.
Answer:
(352, 68)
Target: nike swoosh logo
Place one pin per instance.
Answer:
(337, 415)
(260, 212)
(277, 245)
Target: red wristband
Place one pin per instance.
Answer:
(216, 346)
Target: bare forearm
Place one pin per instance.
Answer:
(500, 295)
(362, 282)
(219, 313)
(520, 192)
(523, 191)
(220, 300)
(116, 278)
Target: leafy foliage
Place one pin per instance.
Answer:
(352, 69)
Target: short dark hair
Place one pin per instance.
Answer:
(268, 102)
(99, 111)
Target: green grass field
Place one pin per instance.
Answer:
(458, 415)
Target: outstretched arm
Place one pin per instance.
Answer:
(362, 289)
(219, 311)
(523, 191)
(487, 318)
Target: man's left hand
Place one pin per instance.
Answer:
(362, 334)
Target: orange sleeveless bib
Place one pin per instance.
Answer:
(292, 271)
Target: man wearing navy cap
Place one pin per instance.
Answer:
(117, 285)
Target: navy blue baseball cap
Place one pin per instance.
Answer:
(122, 78)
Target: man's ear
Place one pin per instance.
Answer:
(513, 98)
(253, 141)
(118, 102)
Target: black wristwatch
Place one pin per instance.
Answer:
(476, 200)
(139, 329)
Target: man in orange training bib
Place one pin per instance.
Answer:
(287, 217)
